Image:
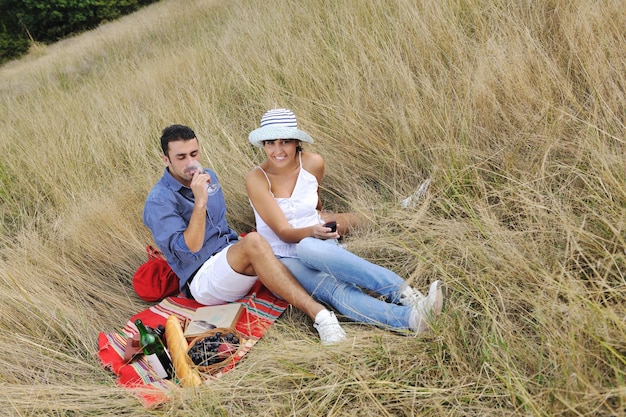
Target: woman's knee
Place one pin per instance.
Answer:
(309, 245)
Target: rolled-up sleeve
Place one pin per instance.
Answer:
(166, 217)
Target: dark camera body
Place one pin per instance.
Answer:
(332, 225)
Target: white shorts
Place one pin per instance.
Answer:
(217, 283)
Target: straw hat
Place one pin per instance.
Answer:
(278, 124)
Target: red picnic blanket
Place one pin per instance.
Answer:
(262, 308)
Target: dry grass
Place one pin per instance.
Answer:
(515, 110)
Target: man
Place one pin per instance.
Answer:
(188, 222)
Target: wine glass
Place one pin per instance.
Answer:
(210, 187)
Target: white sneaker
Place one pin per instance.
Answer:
(433, 303)
(418, 322)
(328, 327)
(411, 297)
(436, 295)
(428, 308)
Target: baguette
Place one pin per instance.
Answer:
(177, 345)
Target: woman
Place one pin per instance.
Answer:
(284, 194)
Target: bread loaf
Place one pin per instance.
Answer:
(177, 345)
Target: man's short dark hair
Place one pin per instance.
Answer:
(174, 133)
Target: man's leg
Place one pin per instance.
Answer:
(252, 255)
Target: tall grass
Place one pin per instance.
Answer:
(515, 110)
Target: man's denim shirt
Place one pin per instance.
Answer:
(167, 212)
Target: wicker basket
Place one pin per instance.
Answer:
(214, 368)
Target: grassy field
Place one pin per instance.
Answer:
(516, 111)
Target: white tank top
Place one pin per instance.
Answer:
(300, 210)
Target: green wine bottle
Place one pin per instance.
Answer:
(156, 354)
(160, 332)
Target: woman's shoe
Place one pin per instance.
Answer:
(436, 297)
(411, 297)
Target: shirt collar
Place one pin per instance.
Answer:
(171, 182)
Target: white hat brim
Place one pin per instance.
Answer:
(257, 136)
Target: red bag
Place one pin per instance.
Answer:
(155, 280)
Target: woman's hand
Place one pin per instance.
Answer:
(322, 232)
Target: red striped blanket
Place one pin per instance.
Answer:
(262, 308)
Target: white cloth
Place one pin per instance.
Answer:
(217, 283)
(300, 210)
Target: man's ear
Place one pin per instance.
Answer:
(165, 159)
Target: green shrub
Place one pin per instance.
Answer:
(12, 46)
(52, 20)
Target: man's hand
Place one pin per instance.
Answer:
(198, 187)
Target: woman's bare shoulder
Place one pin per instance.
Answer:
(312, 160)
(254, 175)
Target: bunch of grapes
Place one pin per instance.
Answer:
(213, 349)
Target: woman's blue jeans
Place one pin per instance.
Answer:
(335, 276)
